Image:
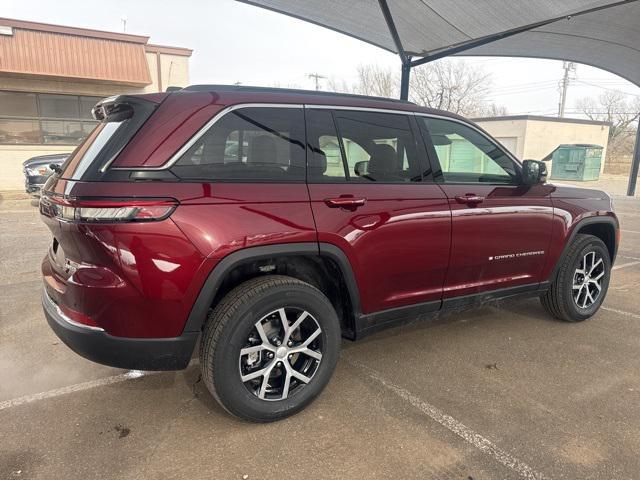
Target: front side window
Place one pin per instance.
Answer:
(249, 144)
(357, 146)
(467, 156)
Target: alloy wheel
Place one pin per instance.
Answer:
(587, 280)
(281, 354)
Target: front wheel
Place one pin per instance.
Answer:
(269, 348)
(582, 281)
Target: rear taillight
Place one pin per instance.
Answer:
(107, 210)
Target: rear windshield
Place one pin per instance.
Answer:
(80, 160)
(92, 158)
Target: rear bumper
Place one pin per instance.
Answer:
(95, 344)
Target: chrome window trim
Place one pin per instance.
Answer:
(360, 109)
(53, 306)
(182, 150)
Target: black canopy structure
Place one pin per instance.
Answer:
(600, 33)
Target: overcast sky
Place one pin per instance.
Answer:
(235, 42)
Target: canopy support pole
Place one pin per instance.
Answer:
(404, 58)
(404, 81)
(635, 166)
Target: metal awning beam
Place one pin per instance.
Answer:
(404, 58)
(477, 42)
(408, 63)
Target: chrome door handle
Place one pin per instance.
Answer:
(349, 203)
(471, 200)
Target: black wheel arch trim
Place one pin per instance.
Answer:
(217, 275)
(598, 219)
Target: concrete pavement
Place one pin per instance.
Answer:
(500, 392)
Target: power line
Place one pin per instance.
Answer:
(317, 77)
(605, 88)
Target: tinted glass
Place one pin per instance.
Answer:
(86, 104)
(41, 118)
(378, 147)
(82, 158)
(62, 132)
(19, 131)
(249, 144)
(16, 104)
(325, 163)
(467, 156)
(59, 106)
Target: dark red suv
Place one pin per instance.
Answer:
(271, 223)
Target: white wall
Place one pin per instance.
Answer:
(543, 137)
(12, 156)
(535, 139)
(515, 130)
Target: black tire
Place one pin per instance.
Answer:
(559, 300)
(233, 320)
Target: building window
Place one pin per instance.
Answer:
(45, 119)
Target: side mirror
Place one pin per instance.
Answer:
(55, 167)
(361, 168)
(533, 172)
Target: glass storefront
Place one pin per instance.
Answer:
(45, 119)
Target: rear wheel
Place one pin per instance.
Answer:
(582, 281)
(269, 348)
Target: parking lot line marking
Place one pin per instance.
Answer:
(621, 312)
(627, 256)
(481, 443)
(131, 374)
(629, 231)
(625, 265)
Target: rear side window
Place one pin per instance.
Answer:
(249, 145)
(361, 147)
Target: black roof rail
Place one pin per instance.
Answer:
(319, 93)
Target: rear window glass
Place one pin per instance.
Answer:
(91, 160)
(249, 144)
(365, 147)
(82, 158)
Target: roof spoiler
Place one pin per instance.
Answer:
(118, 107)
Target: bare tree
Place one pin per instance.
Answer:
(493, 110)
(373, 80)
(339, 85)
(616, 108)
(377, 81)
(452, 85)
(449, 84)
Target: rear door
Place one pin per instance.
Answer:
(371, 196)
(501, 228)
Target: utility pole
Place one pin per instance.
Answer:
(124, 19)
(564, 85)
(317, 77)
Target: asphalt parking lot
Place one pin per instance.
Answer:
(497, 393)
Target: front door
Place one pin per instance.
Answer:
(501, 228)
(371, 197)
